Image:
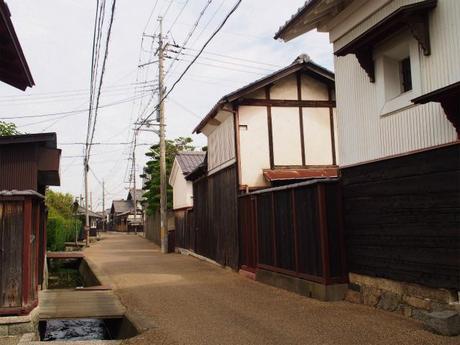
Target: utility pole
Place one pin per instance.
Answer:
(86, 228)
(134, 182)
(161, 120)
(103, 206)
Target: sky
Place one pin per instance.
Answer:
(56, 37)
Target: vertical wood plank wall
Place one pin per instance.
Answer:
(402, 217)
(297, 230)
(215, 217)
(11, 244)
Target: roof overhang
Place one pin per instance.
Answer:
(413, 17)
(300, 174)
(309, 17)
(13, 65)
(302, 63)
(449, 98)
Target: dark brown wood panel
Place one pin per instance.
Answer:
(11, 240)
(216, 217)
(402, 217)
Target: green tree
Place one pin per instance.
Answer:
(152, 171)
(59, 203)
(8, 128)
(61, 225)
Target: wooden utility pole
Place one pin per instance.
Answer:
(86, 229)
(103, 206)
(161, 120)
(134, 182)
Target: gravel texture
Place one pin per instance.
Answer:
(189, 301)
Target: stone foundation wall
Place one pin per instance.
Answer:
(18, 325)
(411, 300)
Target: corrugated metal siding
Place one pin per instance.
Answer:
(18, 167)
(363, 135)
(221, 146)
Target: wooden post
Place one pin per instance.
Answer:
(321, 201)
(26, 251)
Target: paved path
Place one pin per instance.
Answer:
(195, 302)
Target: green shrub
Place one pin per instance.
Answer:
(59, 231)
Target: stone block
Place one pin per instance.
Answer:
(416, 302)
(3, 330)
(389, 301)
(21, 328)
(371, 296)
(353, 296)
(444, 322)
(406, 311)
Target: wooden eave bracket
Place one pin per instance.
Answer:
(448, 97)
(413, 17)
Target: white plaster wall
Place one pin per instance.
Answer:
(254, 148)
(285, 88)
(317, 136)
(313, 89)
(221, 143)
(365, 135)
(182, 192)
(287, 148)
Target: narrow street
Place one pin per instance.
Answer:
(195, 302)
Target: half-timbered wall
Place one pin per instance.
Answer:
(365, 133)
(299, 137)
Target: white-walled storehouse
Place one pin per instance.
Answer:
(184, 163)
(278, 128)
(397, 74)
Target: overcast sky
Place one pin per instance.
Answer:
(56, 36)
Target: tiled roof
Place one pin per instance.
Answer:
(139, 194)
(122, 206)
(189, 160)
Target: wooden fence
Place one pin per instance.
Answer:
(295, 230)
(152, 226)
(402, 217)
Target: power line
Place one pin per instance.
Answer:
(72, 111)
(104, 61)
(190, 33)
(194, 60)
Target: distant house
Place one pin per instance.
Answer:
(184, 163)
(277, 130)
(119, 213)
(28, 164)
(398, 90)
(95, 219)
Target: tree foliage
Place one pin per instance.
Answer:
(8, 128)
(152, 171)
(62, 225)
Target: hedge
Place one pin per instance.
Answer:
(59, 231)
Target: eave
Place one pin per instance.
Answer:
(413, 17)
(14, 69)
(449, 98)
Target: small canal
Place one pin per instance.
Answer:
(71, 274)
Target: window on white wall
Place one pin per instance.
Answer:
(397, 63)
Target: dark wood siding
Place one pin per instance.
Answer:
(11, 239)
(215, 217)
(18, 164)
(402, 217)
(298, 231)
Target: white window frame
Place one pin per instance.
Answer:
(387, 57)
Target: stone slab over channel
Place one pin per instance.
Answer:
(191, 301)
